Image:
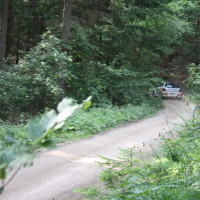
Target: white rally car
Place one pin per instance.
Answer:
(168, 90)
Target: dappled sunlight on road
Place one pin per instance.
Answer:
(62, 154)
(74, 158)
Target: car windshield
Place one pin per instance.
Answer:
(171, 85)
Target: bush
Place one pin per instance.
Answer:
(36, 82)
(193, 82)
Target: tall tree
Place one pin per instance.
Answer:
(67, 11)
(4, 15)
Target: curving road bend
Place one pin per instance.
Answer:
(55, 174)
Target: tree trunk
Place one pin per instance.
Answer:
(4, 15)
(67, 11)
(17, 49)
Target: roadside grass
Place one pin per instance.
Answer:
(173, 174)
(85, 123)
(8, 132)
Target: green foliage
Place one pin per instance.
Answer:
(113, 53)
(187, 46)
(193, 82)
(17, 153)
(47, 73)
(85, 123)
(36, 82)
(116, 58)
(172, 174)
(8, 131)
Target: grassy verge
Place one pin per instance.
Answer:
(85, 123)
(174, 174)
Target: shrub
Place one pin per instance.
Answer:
(193, 81)
(36, 82)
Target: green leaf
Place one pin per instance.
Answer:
(10, 139)
(65, 113)
(25, 160)
(87, 105)
(48, 143)
(34, 130)
(63, 104)
(1, 190)
(48, 120)
(58, 126)
(65, 109)
(7, 156)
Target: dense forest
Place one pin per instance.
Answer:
(114, 50)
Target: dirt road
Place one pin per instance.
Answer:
(55, 174)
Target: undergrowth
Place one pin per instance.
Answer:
(85, 123)
(173, 174)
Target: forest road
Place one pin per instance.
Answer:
(55, 174)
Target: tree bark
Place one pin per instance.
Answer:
(67, 12)
(9, 25)
(4, 16)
